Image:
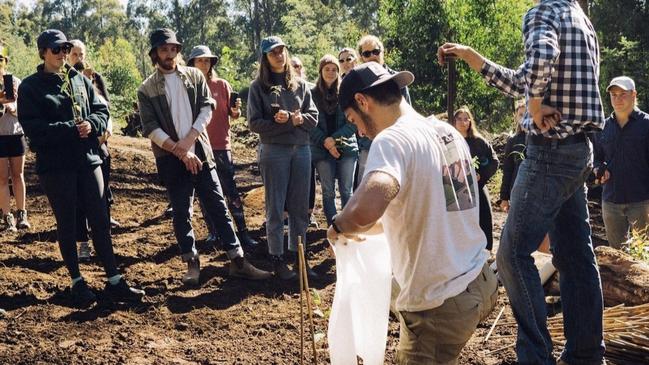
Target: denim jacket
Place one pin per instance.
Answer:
(345, 133)
(155, 112)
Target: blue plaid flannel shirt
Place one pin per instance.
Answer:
(561, 65)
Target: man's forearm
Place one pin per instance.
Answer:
(474, 59)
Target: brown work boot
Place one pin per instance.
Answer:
(241, 268)
(193, 273)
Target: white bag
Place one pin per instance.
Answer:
(358, 324)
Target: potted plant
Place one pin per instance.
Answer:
(71, 92)
(275, 91)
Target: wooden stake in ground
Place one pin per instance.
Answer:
(304, 286)
(494, 325)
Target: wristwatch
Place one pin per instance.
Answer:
(333, 224)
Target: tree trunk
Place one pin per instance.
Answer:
(624, 280)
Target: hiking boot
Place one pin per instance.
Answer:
(21, 221)
(193, 273)
(84, 252)
(82, 296)
(281, 269)
(241, 268)
(10, 222)
(246, 240)
(122, 292)
(310, 273)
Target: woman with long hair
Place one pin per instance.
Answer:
(63, 118)
(486, 162)
(12, 153)
(282, 112)
(334, 150)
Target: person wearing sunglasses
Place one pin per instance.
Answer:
(12, 154)
(281, 110)
(63, 118)
(371, 49)
(347, 59)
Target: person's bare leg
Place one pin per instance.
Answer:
(5, 197)
(17, 165)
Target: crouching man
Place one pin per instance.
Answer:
(175, 106)
(420, 184)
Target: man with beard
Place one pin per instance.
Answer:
(438, 257)
(175, 107)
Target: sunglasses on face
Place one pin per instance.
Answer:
(348, 59)
(2, 59)
(297, 66)
(375, 51)
(57, 49)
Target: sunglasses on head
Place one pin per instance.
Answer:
(57, 49)
(348, 59)
(375, 51)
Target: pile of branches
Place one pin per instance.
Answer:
(626, 333)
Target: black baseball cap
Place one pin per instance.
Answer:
(368, 75)
(163, 36)
(52, 38)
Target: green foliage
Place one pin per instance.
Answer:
(414, 29)
(638, 245)
(117, 39)
(123, 77)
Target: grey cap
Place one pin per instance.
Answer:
(203, 51)
(623, 82)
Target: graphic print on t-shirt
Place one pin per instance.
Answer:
(456, 177)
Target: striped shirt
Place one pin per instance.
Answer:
(561, 65)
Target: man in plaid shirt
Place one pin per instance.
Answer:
(559, 80)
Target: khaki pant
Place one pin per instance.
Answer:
(436, 336)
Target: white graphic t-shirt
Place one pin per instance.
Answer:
(432, 225)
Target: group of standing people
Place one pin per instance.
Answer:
(438, 258)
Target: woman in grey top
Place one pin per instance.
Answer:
(281, 111)
(12, 155)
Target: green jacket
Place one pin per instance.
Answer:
(155, 112)
(344, 134)
(46, 115)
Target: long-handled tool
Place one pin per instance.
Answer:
(304, 288)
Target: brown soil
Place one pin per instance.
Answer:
(223, 321)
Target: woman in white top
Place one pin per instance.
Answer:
(12, 156)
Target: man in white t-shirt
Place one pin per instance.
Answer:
(419, 189)
(175, 106)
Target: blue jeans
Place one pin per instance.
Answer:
(549, 195)
(181, 185)
(328, 170)
(285, 171)
(620, 218)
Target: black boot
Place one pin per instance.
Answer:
(122, 292)
(310, 273)
(82, 296)
(281, 269)
(246, 240)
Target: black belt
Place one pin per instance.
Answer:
(539, 140)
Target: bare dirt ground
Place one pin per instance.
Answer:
(223, 321)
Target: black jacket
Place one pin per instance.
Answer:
(514, 155)
(626, 153)
(487, 160)
(46, 115)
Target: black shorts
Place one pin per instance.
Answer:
(12, 146)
